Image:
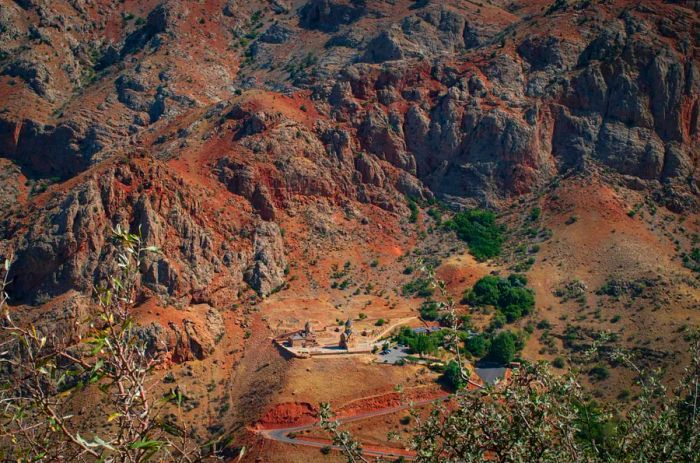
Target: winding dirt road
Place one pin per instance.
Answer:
(282, 434)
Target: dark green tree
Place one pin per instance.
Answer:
(503, 348)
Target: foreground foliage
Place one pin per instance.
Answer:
(44, 373)
(538, 416)
(541, 417)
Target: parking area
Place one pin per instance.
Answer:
(394, 355)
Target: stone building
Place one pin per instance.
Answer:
(346, 337)
(303, 338)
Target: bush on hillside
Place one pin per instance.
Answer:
(452, 376)
(477, 345)
(504, 347)
(509, 295)
(481, 232)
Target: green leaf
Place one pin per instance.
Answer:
(104, 444)
(147, 444)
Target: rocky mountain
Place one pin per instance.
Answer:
(241, 138)
(377, 100)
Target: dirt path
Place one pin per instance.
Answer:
(282, 434)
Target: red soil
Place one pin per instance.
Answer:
(286, 415)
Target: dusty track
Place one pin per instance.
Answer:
(282, 434)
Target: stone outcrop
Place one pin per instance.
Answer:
(267, 271)
(162, 19)
(329, 15)
(68, 246)
(190, 335)
(277, 33)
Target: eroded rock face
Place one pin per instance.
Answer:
(267, 270)
(277, 33)
(326, 163)
(34, 73)
(68, 246)
(473, 103)
(162, 19)
(192, 334)
(385, 47)
(614, 96)
(329, 15)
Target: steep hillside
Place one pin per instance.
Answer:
(262, 145)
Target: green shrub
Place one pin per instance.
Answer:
(420, 287)
(429, 310)
(599, 373)
(624, 395)
(497, 322)
(480, 230)
(435, 214)
(508, 295)
(477, 345)
(544, 325)
(413, 207)
(558, 362)
(453, 376)
(504, 347)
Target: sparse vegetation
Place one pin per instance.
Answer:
(420, 287)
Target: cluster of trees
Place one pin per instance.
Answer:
(509, 295)
(481, 232)
(502, 348)
(420, 343)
